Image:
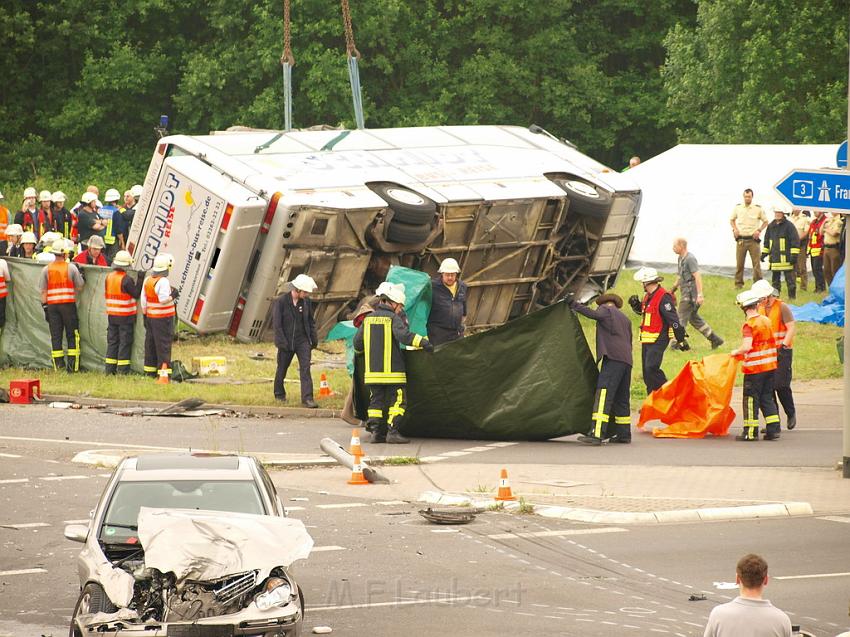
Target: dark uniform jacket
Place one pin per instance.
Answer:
(378, 337)
(445, 322)
(293, 322)
(667, 312)
(613, 332)
(781, 245)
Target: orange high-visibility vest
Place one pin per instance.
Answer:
(815, 238)
(651, 322)
(762, 356)
(776, 323)
(5, 220)
(154, 308)
(118, 302)
(4, 289)
(60, 288)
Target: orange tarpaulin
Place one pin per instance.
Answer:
(696, 402)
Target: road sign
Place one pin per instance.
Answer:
(841, 155)
(827, 190)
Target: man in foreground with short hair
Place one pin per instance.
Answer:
(748, 615)
(689, 281)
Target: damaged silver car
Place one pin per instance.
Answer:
(189, 546)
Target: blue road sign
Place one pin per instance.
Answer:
(841, 155)
(827, 190)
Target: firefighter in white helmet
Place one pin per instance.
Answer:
(89, 222)
(5, 279)
(295, 335)
(28, 242)
(659, 321)
(25, 217)
(62, 217)
(115, 233)
(121, 291)
(157, 301)
(448, 304)
(6, 219)
(44, 217)
(13, 240)
(60, 284)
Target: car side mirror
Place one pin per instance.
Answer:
(76, 532)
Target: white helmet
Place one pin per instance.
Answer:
(163, 262)
(88, 197)
(647, 275)
(1, 195)
(14, 229)
(763, 289)
(393, 291)
(58, 197)
(48, 238)
(122, 259)
(70, 246)
(136, 190)
(304, 283)
(30, 192)
(45, 195)
(449, 266)
(96, 241)
(58, 246)
(748, 298)
(45, 257)
(111, 195)
(28, 237)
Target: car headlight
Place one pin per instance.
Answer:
(277, 592)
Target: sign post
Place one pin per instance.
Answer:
(846, 444)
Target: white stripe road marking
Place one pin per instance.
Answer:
(435, 600)
(89, 443)
(58, 478)
(511, 536)
(343, 505)
(324, 549)
(14, 481)
(455, 454)
(294, 508)
(476, 449)
(24, 571)
(86, 521)
(828, 518)
(9, 455)
(502, 444)
(389, 503)
(432, 458)
(26, 525)
(815, 575)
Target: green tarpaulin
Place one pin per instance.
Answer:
(25, 340)
(531, 379)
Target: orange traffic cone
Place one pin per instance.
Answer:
(163, 375)
(324, 387)
(505, 493)
(354, 449)
(357, 472)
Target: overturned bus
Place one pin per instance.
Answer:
(529, 218)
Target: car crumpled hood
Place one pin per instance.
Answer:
(206, 545)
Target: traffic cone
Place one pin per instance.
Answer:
(163, 375)
(357, 472)
(505, 494)
(324, 387)
(354, 449)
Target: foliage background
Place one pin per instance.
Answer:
(86, 80)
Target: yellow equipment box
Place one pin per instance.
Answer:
(209, 365)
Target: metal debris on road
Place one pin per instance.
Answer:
(448, 516)
(697, 598)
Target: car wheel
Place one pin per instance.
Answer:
(93, 599)
(586, 198)
(406, 233)
(409, 207)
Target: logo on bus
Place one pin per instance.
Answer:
(163, 218)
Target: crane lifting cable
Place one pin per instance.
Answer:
(353, 70)
(287, 62)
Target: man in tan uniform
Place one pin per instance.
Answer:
(802, 221)
(747, 221)
(832, 257)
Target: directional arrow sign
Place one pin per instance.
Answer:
(827, 190)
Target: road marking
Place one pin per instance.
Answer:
(86, 521)
(25, 525)
(813, 576)
(444, 531)
(14, 480)
(24, 571)
(388, 503)
(117, 445)
(9, 455)
(835, 518)
(294, 508)
(561, 533)
(324, 549)
(502, 444)
(455, 454)
(432, 458)
(341, 505)
(476, 449)
(435, 600)
(57, 478)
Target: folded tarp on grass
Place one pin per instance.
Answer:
(830, 310)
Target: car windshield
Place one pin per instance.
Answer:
(121, 519)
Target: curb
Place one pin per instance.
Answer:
(109, 458)
(592, 516)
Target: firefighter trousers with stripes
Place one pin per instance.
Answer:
(611, 404)
(62, 320)
(159, 334)
(119, 344)
(386, 406)
(758, 396)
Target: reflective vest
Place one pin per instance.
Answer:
(774, 314)
(118, 302)
(45, 222)
(60, 288)
(382, 356)
(5, 219)
(153, 308)
(27, 221)
(652, 322)
(815, 238)
(762, 355)
(108, 213)
(4, 289)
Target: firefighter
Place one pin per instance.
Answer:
(44, 222)
(64, 221)
(6, 220)
(128, 211)
(448, 304)
(157, 301)
(5, 278)
(59, 284)
(27, 246)
(93, 254)
(295, 335)
(815, 249)
(121, 294)
(13, 240)
(781, 246)
(378, 337)
(659, 321)
(758, 351)
(784, 329)
(614, 352)
(113, 235)
(26, 216)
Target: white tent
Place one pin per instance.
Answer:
(690, 190)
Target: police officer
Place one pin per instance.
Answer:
(448, 304)
(59, 284)
(157, 301)
(295, 335)
(781, 246)
(758, 351)
(378, 337)
(658, 320)
(121, 292)
(747, 221)
(614, 352)
(833, 257)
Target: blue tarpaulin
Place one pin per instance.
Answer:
(830, 310)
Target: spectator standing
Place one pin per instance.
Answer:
(689, 281)
(802, 221)
(93, 254)
(782, 247)
(832, 256)
(60, 284)
(295, 335)
(6, 220)
(448, 304)
(747, 221)
(89, 222)
(26, 216)
(749, 614)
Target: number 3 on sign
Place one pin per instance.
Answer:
(803, 189)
